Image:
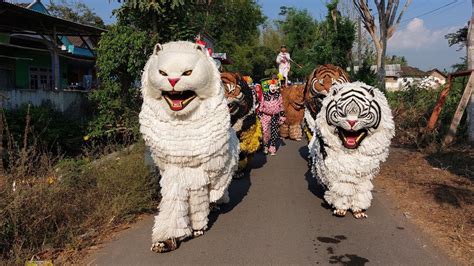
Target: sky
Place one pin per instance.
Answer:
(420, 36)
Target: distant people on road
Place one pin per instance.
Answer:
(283, 60)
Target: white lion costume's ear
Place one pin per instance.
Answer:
(158, 47)
(202, 49)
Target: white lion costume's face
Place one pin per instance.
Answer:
(180, 75)
(354, 109)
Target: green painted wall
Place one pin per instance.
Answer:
(40, 59)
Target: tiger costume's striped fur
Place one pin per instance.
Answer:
(353, 132)
(317, 86)
(241, 101)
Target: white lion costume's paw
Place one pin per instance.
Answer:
(185, 123)
(353, 133)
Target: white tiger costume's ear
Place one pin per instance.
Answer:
(335, 89)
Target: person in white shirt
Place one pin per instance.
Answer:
(283, 61)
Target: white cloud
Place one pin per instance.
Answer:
(417, 36)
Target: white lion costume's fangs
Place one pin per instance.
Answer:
(185, 123)
(353, 133)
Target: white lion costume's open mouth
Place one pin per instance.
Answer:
(178, 100)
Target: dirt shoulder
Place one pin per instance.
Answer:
(435, 192)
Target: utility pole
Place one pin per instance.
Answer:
(470, 65)
(359, 41)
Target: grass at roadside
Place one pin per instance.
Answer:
(63, 209)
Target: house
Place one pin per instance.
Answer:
(44, 58)
(398, 77)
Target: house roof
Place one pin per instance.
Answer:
(24, 5)
(408, 71)
(437, 71)
(16, 19)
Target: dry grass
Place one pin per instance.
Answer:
(51, 208)
(436, 192)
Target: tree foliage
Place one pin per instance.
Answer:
(458, 38)
(395, 59)
(124, 49)
(336, 36)
(121, 56)
(75, 11)
(313, 43)
(365, 74)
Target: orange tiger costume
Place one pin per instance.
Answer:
(317, 86)
(242, 103)
(293, 106)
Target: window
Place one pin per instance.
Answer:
(6, 79)
(41, 78)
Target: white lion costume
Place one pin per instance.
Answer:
(185, 123)
(353, 133)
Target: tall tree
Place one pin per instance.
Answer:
(336, 37)
(75, 11)
(388, 20)
(300, 31)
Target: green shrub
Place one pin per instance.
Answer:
(50, 128)
(412, 109)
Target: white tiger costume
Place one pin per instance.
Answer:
(353, 133)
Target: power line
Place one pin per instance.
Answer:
(431, 11)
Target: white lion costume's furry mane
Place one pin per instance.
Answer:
(185, 123)
(353, 133)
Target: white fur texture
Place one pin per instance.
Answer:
(195, 149)
(347, 173)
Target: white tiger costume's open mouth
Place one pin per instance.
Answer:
(178, 100)
(351, 139)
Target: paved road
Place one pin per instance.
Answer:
(277, 216)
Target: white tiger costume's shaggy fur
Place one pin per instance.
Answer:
(194, 146)
(347, 172)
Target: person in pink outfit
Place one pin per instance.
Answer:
(271, 116)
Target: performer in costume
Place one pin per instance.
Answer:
(284, 65)
(271, 115)
(293, 105)
(352, 137)
(185, 123)
(242, 102)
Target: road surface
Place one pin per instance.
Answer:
(277, 216)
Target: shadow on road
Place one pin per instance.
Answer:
(313, 184)
(238, 189)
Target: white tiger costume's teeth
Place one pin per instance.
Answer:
(360, 136)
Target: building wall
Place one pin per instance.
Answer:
(63, 101)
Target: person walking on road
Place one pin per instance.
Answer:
(283, 60)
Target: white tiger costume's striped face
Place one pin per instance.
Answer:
(354, 111)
